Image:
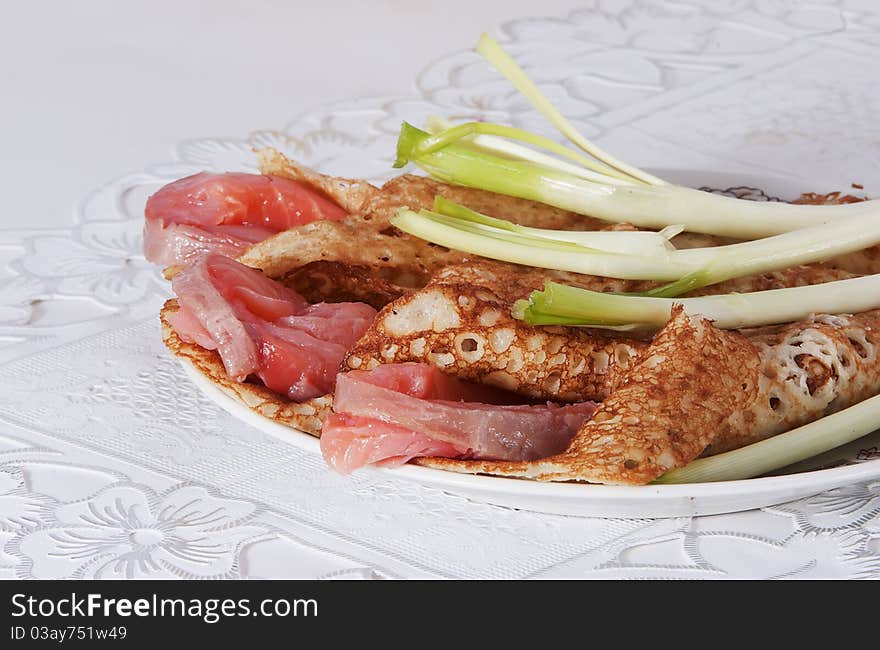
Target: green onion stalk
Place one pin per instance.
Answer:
(489, 157)
(609, 198)
(559, 304)
(634, 255)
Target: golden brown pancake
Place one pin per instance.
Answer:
(653, 421)
(418, 192)
(461, 323)
(361, 258)
(664, 413)
(809, 369)
(364, 257)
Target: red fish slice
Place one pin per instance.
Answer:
(226, 213)
(399, 411)
(260, 327)
(349, 442)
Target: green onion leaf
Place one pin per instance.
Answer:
(648, 207)
(490, 50)
(727, 311)
(519, 248)
(513, 151)
(631, 242)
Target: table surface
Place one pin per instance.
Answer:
(111, 466)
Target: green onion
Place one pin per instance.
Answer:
(632, 256)
(490, 50)
(560, 304)
(646, 206)
(513, 151)
(677, 288)
(501, 244)
(784, 449)
(462, 131)
(600, 186)
(633, 242)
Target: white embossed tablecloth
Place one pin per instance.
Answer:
(111, 465)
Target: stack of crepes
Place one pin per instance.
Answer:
(396, 350)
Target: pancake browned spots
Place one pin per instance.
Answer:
(809, 369)
(662, 415)
(461, 323)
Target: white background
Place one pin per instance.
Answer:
(95, 89)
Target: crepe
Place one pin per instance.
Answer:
(808, 369)
(776, 379)
(693, 390)
(364, 257)
(666, 410)
(461, 323)
(418, 192)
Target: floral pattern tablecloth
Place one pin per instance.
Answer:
(112, 465)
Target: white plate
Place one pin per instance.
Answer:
(801, 480)
(577, 498)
